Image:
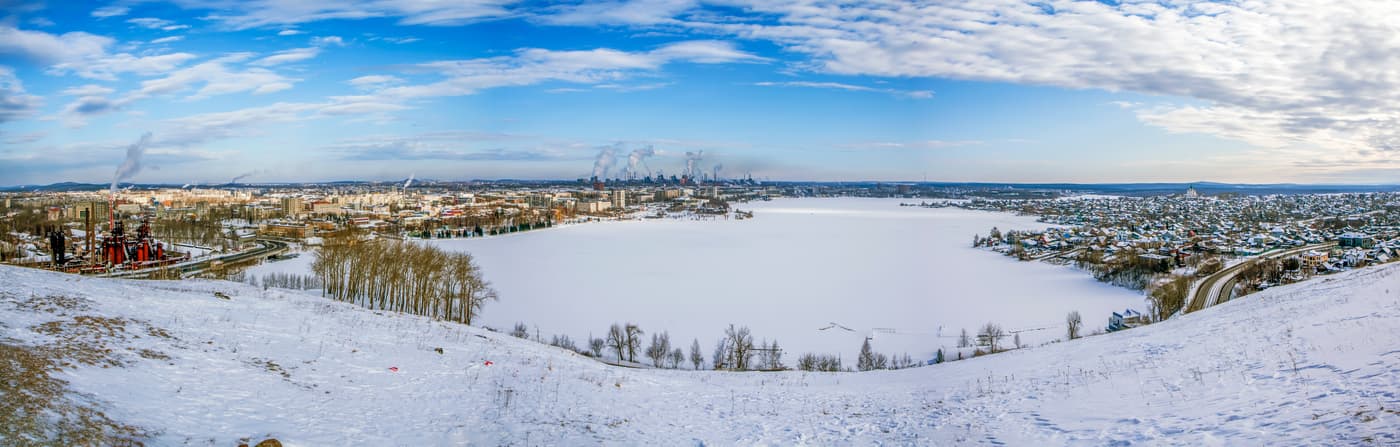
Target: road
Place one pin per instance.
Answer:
(1208, 291)
(269, 248)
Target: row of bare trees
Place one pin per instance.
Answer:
(403, 277)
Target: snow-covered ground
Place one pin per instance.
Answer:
(1314, 363)
(906, 276)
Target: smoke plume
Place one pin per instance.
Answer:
(132, 164)
(604, 162)
(691, 158)
(718, 167)
(410, 180)
(637, 156)
(242, 176)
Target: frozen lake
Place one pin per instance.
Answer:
(906, 276)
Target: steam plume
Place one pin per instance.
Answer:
(690, 159)
(132, 164)
(604, 162)
(637, 156)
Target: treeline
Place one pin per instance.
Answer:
(402, 277)
(279, 280)
(1126, 269)
(736, 350)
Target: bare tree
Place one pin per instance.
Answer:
(775, 356)
(740, 343)
(696, 358)
(402, 277)
(963, 340)
(991, 334)
(595, 346)
(1073, 322)
(720, 358)
(659, 349)
(677, 358)
(521, 331)
(634, 341)
(617, 340)
(882, 361)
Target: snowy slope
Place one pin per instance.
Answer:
(1312, 363)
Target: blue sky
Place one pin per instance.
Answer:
(999, 90)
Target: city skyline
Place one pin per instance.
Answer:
(999, 91)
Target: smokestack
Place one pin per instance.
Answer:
(718, 167)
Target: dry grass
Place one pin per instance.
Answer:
(37, 409)
(84, 340)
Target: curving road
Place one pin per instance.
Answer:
(1208, 291)
(269, 247)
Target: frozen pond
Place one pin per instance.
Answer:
(906, 276)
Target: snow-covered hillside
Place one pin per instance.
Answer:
(1313, 363)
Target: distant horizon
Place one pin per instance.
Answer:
(420, 180)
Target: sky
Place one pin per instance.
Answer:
(1304, 91)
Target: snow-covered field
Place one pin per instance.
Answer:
(905, 275)
(1314, 363)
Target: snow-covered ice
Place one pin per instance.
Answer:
(1314, 363)
(903, 275)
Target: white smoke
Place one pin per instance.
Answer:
(410, 180)
(132, 164)
(604, 162)
(718, 167)
(637, 156)
(691, 158)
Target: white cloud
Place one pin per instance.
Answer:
(154, 23)
(328, 41)
(263, 13)
(50, 48)
(83, 54)
(534, 65)
(631, 12)
(168, 39)
(15, 103)
(375, 81)
(290, 32)
(198, 129)
(87, 90)
(705, 52)
(1300, 74)
(106, 67)
(215, 77)
(288, 56)
(917, 94)
(110, 11)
